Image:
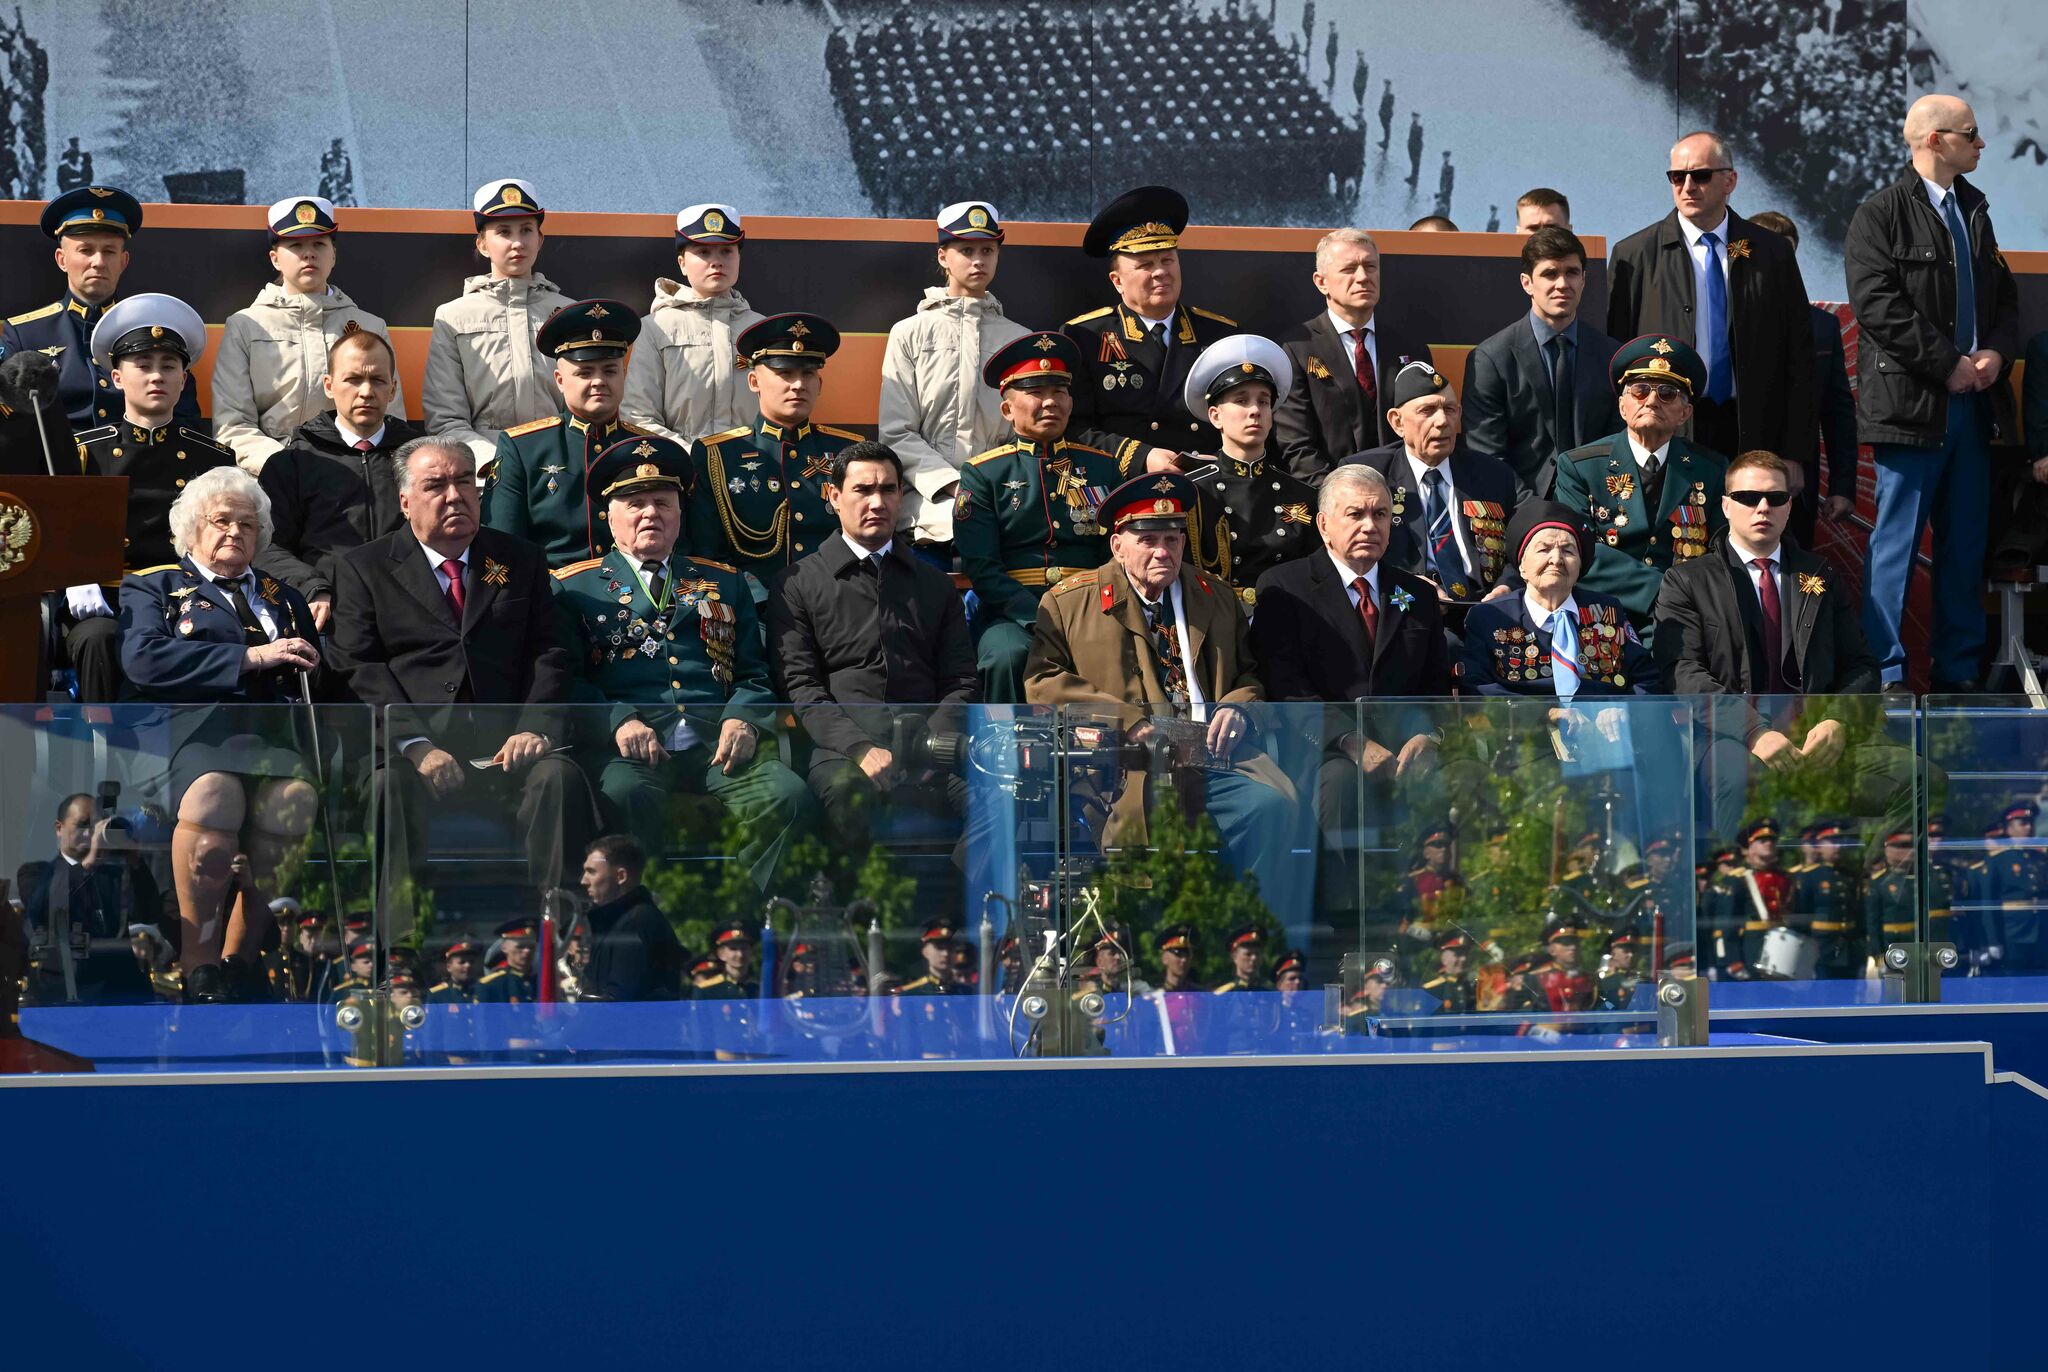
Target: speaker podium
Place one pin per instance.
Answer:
(55, 531)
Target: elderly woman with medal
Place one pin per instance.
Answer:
(672, 644)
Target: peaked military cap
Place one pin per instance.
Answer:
(1147, 219)
(1033, 361)
(787, 341)
(731, 932)
(1290, 961)
(1156, 501)
(970, 221)
(639, 463)
(510, 198)
(588, 331)
(145, 322)
(92, 209)
(1178, 938)
(521, 928)
(1454, 939)
(301, 216)
(1659, 357)
(1232, 362)
(1246, 936)
(705, 224)
(1762, 828)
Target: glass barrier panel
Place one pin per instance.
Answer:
(186, 879)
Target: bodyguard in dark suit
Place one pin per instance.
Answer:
(1836, 404)
(1732, 290)
(443, 615)
(866, 623)
(1515, 409)
(1335, 405)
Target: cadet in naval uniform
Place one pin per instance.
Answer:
(1024, 516)
(541, 472)
(92, 228)
(147, 344)
(1250, 515)
(671, 642)
(759, 498)
(484, 372)
(1136, 354)
(515, 982)
(1652, 498)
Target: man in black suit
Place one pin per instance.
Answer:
(1759, 616)
(1539, 387)
(332, 488)
(1836, 405)
(1451, 506)
(1335, 405)
(442, 615)
(1707, 275)
(862, 624)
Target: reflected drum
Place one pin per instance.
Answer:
(1788, 955)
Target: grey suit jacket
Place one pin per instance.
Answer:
(1509, 413)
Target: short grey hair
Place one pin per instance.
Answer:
(1337, 238)
(401, 461)
(1350, 479)
(208, 489)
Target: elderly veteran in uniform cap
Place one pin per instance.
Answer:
(1165, 651)
(759, 496)
(147, 344)
(266, 376)
(1250, 515)
(681, 383)
(1451, 505)
(935, 412)
(215, 628)
(92, 228)
(1651, 498)
(542, 467)
(484, 372)
(1556, 638)
(1025, 514)
(1135, 354)
(671, 643)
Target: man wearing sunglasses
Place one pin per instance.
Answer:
(1940, 319)
(1705, 274)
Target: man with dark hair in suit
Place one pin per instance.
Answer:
(1708, 276)
(1539, 387)
(1836, 404)
(1342, 359)
(440, 616)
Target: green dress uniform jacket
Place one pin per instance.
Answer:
(537, 485)
(759, 496)
(506, 987)
(1637, 545)
(1024, 519)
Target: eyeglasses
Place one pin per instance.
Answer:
(1752, 499)
(1647, 390)
(1699, 176)
(229, 524)
(1968, 135)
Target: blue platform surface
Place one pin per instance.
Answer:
(1757, 1205)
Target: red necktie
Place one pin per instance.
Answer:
(362, 445)
(1367, 380)
(453, 571)
(1369, 612)
(1774, 627)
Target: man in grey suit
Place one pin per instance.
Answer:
(1539, 387)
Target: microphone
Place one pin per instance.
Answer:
(25, 379)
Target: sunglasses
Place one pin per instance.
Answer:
(1645, 390)
(1968, 135)
(1699, 176)
(1774, 499)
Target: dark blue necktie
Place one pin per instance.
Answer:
(1720, 369)
(1443, 540)
(1966, 285)
(1565, 409)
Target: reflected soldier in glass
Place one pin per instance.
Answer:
(1620, 972)
(1245, 944)
(1761, 893)
(1561, 983)
(1177, 958)
(1824, 901)
(732, 944)
(1891, 900)
(1251, 514)
(1452, 984)
(936, 946)
(458, 985)
(2018, 877)
(359, 975)
(518, 981)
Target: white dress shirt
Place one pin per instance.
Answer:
(1643, 455)
(1198, 708)
(247, 581)
(1748, 560)
(351, 437)
(1349, 577)
(1417, 468)
(1698, 252)
(1350, 333)
(859, 552)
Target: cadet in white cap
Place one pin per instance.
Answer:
(145, 344)
(266, 378)
(484, 374)
(1250, 513)
(935, 411)
(683, 380)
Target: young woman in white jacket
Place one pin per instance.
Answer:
(934, 410)
(266, 376)
(484, 374)
(683, 380)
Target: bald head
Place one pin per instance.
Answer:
(1931, 112)
(1941, 130)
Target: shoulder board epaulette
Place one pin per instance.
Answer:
(150, 571)
(992, 454)
(707, 562)
(493, 976)
(1226, 986)
(1633, 883)
(44, 313)
(440, 986)
(913, 985)
(1434, 981)
(726, 434)
(564, 573)
(1081, 579)
(201, 436)
(1090, 448)
(1077, 319)
(1211, 314)
(94, 435)
(635, 429)
(533, 426)
(838, 433)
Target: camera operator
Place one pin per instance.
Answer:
(97, 887)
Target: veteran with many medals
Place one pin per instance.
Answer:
(1250, 515)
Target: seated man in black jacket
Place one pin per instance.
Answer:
(88, 900)
(634, 954)
(331, 489)
(864, 622)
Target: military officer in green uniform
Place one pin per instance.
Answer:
(1452, 984)
(1245, 944)
(458, 987)
(2019, 885)
(1892, 901)
(515, 983)
(672, 643)
(759, 497)
(1824, 901)
(732, 944)
(1250, 514)
(936, 945)
(362, 972)
(1722, 906)
(1024, 514)
(1136, 354)
(1621, 970)
(540, 474)
(1651, 497)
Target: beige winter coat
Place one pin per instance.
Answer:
(934, 410)
(483, 373)
(266, 376)
(683, 380)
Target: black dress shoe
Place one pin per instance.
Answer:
(205, 985)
